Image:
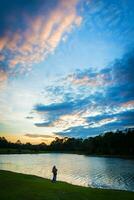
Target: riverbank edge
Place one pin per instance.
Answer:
(17, 151)
(14, 185)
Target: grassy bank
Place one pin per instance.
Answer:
(16, 186)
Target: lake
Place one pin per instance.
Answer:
(99, 172)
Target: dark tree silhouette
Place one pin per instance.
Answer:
(111, 143)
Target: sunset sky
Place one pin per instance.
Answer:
(66, 68)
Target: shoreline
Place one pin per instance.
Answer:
(16, 151)
(60, 181)
(21, 186)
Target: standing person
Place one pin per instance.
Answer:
(54, 171)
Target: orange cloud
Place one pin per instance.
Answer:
(25, 139)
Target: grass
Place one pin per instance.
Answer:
(15, 186)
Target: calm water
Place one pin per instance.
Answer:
(83, 170)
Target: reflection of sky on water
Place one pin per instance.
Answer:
(76, 169)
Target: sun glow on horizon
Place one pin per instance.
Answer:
(66, 68)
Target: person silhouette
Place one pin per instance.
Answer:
(54, 171)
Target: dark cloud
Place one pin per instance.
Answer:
(123, 69)
(29, 117)
(78, 131)
(121, 116)
(38, 135)
(54, 107)
(123, 80)
(53, 111)
(43, 124)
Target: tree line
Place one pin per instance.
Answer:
(111, 143)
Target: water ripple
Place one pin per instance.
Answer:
(97, 172)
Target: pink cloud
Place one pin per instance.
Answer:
(128, 104)
(42, 36)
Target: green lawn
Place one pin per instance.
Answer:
(15, 186)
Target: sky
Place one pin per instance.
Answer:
(66, 68)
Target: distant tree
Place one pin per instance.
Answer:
(18, 142)
(110, 143)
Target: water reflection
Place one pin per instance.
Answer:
(76, 169)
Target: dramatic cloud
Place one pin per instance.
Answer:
(33, 31)
(59, 72)
(91, 100)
